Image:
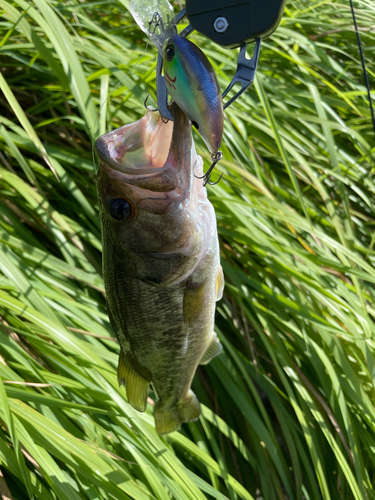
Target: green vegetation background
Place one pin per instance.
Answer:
(288, 408)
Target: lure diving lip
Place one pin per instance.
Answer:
(192, 84)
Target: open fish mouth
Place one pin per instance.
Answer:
(148, 151)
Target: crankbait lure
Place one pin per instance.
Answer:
(229, 23)
(193, 85)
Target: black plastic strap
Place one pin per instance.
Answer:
(245, 74)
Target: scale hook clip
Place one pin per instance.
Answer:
(245, 73)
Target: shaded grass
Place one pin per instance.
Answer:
(289, 406)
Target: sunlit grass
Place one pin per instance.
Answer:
(288, 408)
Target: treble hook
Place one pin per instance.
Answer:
(155, 22)
(164, 120)
(215, 157)
(148, 109)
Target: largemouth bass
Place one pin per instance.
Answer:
(161, 263)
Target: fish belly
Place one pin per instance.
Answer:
(164, 332)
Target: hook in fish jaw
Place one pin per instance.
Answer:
(215, 157)
(149, 109)
(245, 73)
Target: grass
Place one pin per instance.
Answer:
(288, 408)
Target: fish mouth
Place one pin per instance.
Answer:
(149, 153)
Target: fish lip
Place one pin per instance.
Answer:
(101, 146)
(165, 178)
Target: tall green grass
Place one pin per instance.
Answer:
(288, 408)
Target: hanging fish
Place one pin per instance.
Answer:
(192, 84)
(161, 262)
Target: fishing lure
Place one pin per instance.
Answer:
(192, 84)
(229, 23)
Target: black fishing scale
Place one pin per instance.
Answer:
(229, 23)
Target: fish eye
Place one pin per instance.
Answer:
(120, 209)
(169, 53)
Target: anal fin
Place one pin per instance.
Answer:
(212, 350)
(137, 387)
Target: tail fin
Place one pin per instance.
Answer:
(169, 419)
(166, 420)
(136, 386)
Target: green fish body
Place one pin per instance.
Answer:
(161, 263)
(192, 84)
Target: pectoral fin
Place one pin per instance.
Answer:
(213, 350)
(219, 283)
(136, 386)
